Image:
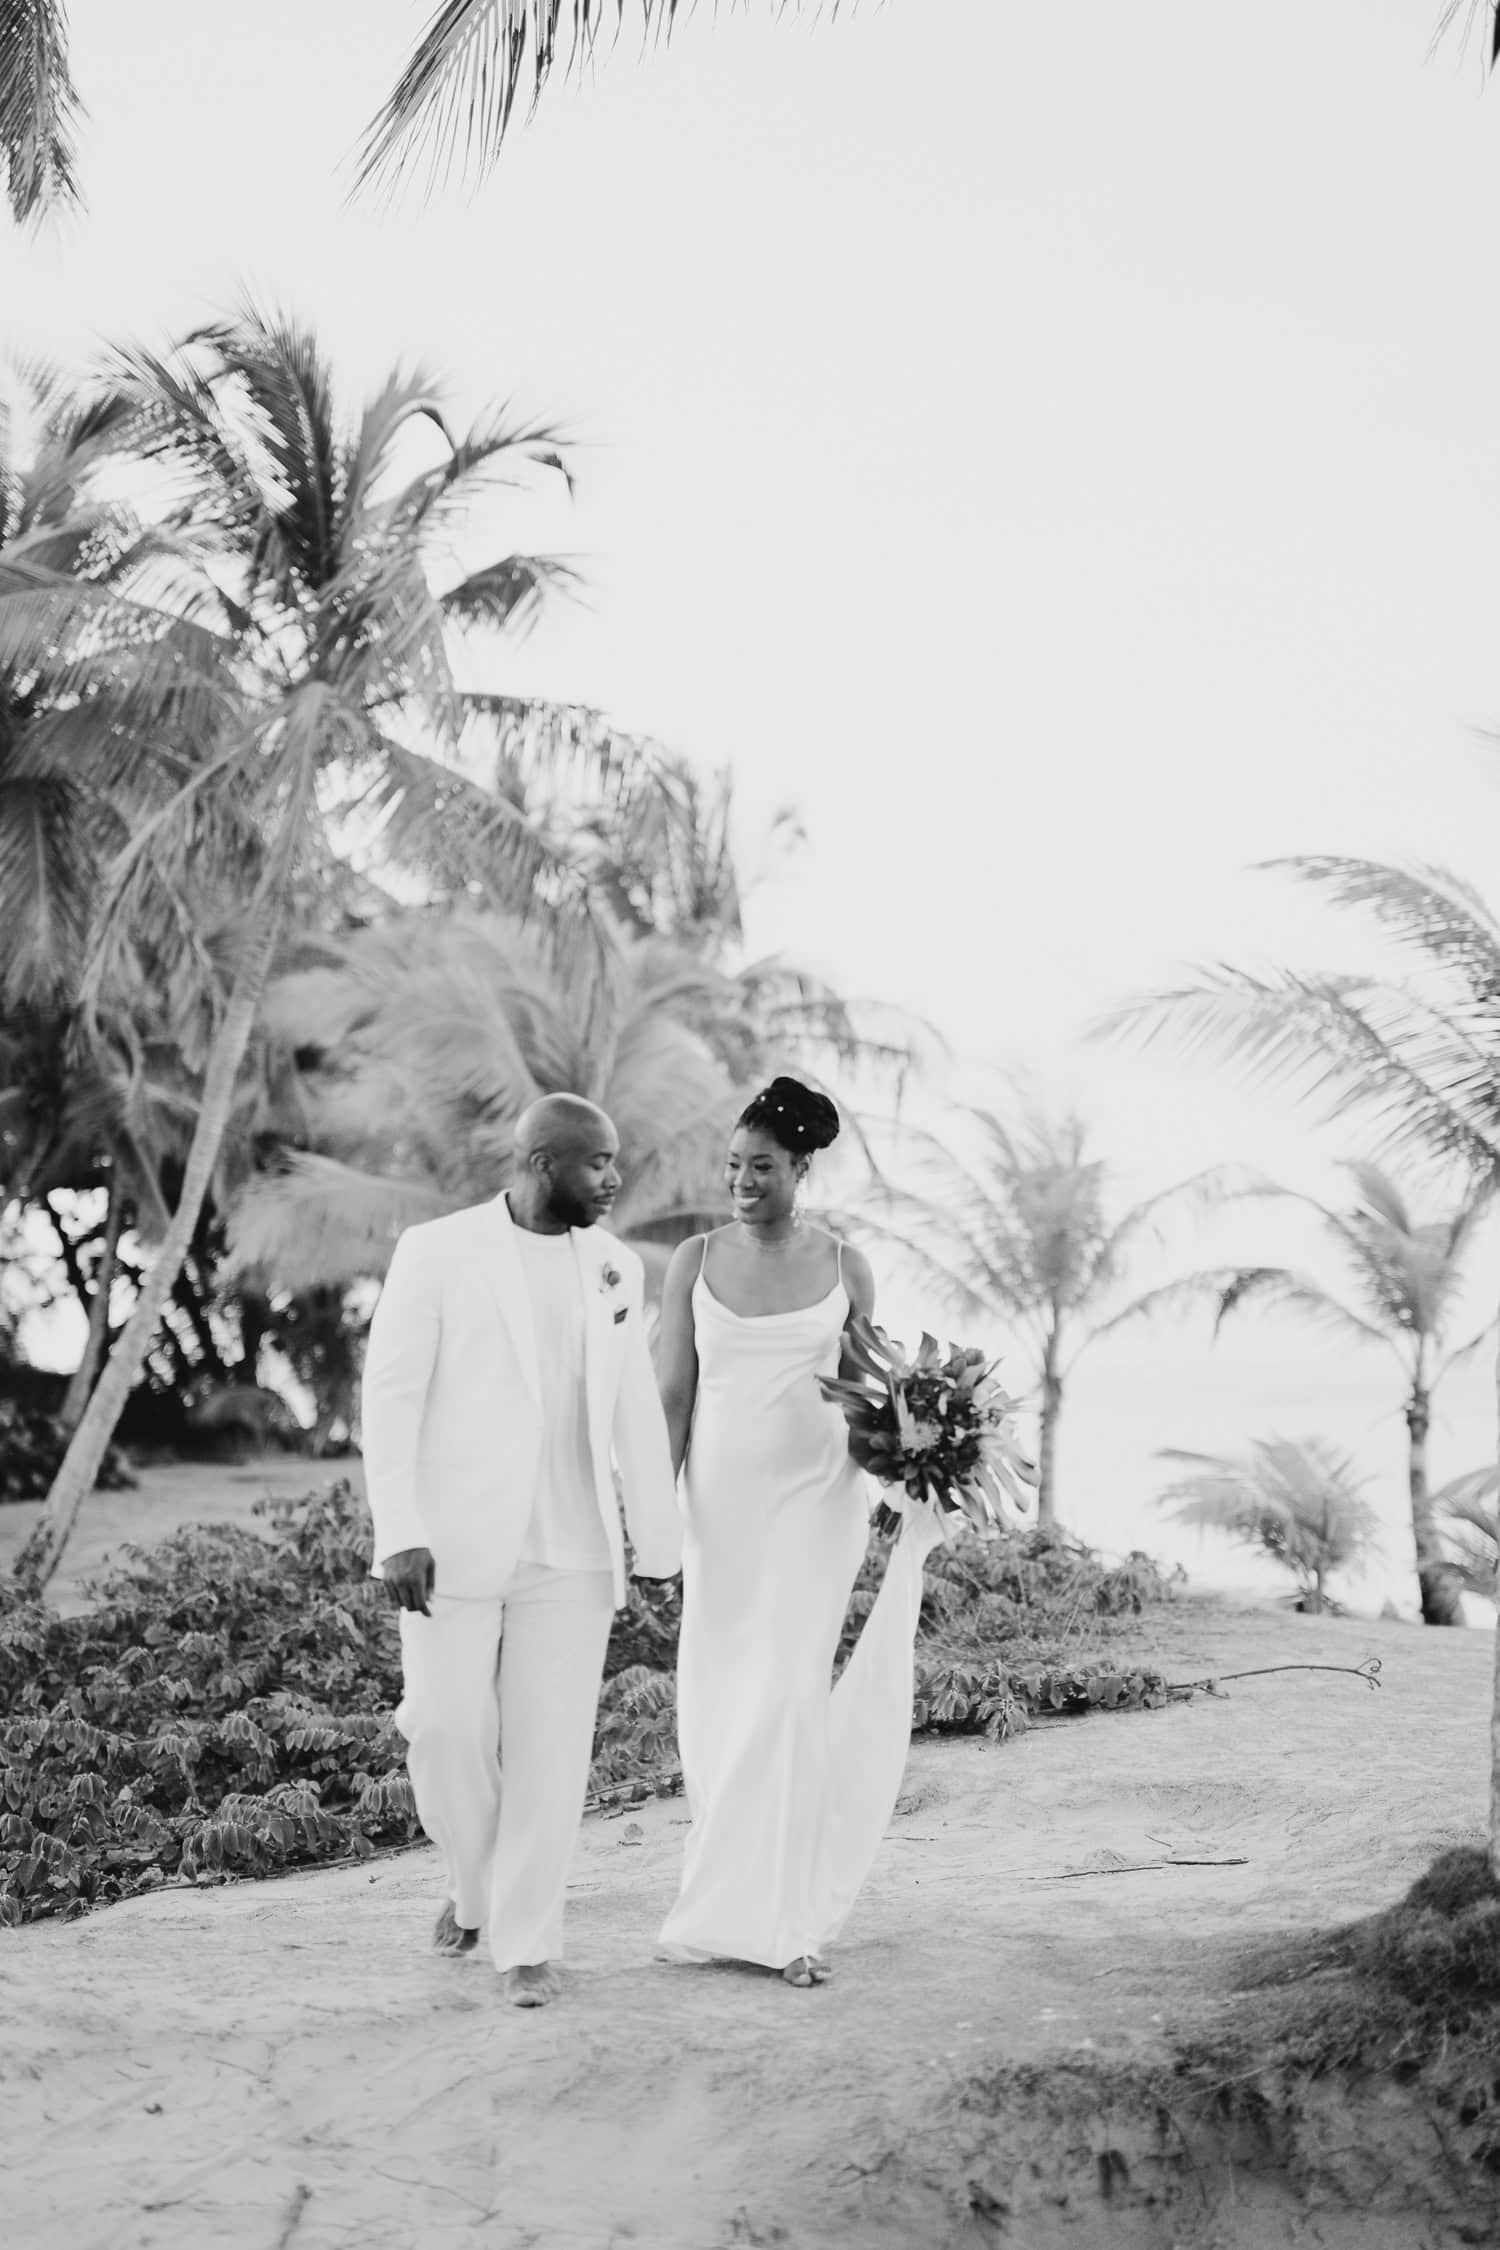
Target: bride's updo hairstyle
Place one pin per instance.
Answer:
(793, 1115)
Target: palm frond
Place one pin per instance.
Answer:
(1433, 911)
(506, 595)
(1203, 1195)
(1228, 1290)
(404, 397)
(1466, 1509)
(453, 101)
(39, 108)
(289, 389)
(1356, 1048)
(502, 448)
(46, 875)
(1464, 1351)
(319, 1222)
(1382, 1195)
(467, 840)
(539, 747)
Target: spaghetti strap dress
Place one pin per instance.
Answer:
(790, 1779)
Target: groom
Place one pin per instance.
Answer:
(506, 1366)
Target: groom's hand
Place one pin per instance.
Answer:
(409, 1578)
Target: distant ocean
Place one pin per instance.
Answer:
(1119, 1411)
(1128, 1399)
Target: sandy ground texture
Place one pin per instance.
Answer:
(285, 2065)
(169, 1495)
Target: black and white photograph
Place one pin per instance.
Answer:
(749, 1125)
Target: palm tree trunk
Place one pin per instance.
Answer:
(81, 1386)
(43, 1551)
(1052, 1398)
(1441, 1582)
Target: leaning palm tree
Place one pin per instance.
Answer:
(310, 708)
(454, 99)
(1017, 1234)
(1416, 1063)
(1298, 1501)
(1406, 1276)
(38, 108)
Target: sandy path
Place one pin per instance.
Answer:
(284, 2065)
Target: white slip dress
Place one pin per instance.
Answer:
(790, 1780)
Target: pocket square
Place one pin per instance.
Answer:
(621, 1314)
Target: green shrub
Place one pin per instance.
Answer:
(225, 1708)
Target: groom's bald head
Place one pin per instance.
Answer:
(558, 1124)
(566, 1167)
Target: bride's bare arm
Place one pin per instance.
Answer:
(859, 1281)
(677, 1349)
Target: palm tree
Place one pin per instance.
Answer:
(674, 866)
(418, 1043)
(1019, 1236)
(301, 705)
(57, 828)
(455, 97)
(1407, 1275)
(1298, 1501)
(38, 107)
(83, 1104)
(1417, 1063)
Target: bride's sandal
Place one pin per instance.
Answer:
(805, 1971)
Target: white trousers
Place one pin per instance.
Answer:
(516, 1674)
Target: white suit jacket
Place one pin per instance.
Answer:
(451, 1412)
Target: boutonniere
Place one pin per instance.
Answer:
(609, 1279)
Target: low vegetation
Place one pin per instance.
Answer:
(225, 1707)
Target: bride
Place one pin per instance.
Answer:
(790, 1781)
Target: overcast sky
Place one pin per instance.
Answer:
(1051, 446)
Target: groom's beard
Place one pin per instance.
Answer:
(575, 1210)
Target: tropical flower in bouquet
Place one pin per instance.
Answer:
(934, 1427)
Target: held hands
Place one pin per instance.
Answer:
(409, 1577)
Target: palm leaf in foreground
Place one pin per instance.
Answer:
(39, 108)
(452, 104)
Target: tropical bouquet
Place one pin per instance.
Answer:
(932, 1427)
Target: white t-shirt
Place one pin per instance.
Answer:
(565, 1532)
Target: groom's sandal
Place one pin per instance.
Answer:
(450, 1936)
